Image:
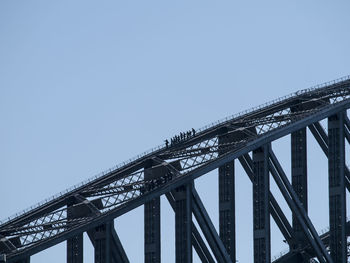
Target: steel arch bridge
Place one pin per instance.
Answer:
(170, 170)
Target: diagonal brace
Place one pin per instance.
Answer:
(275, 210)
(322, 138)
(208, 229)
(116, 250)
(197, 240)
(115, 246)
(297, 208)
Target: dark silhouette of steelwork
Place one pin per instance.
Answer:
(171, 170)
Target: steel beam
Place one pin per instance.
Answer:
(75, 244)
(209, 230)
(152, 227)
(152, 230)
(200, 247)
(299, 179)
(297, 208)
(275, 210)
(189, 177)
(183, 223)
(321, 137)
(102, 243)
(197, 240)
(75, 249)
(107, 245)
(227, 220)
(118, 252)
(337, 197)
(105, 240)
(261, 215)
(347, 128)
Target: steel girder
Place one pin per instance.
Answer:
(75, 244)
(75, 249)
(298, 210)
(227, 222)
(261, 215)
(208, 229)
(212, 238)
(299, 178)
(107, 245)
(152, 227)
(274, 208)
(197, 240)
(101, 238)
(322, 139)
(125, 188)
(152, 230)
(337, 198)
(118, 251)
(183, 223)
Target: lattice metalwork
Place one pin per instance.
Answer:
(126, 186)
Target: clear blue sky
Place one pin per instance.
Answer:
(86, 84)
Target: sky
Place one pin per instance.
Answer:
(85, 85)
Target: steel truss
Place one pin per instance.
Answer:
(93, 206)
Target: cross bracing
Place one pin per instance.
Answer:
(171, 170)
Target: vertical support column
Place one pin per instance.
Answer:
(74, 246)
(261, 215)
(152, 228)
(299, 178)
(102, 240)
(337, 200)
(75, 249)
(107, 245)
(183, 224)
(227, 222)
(227, 208)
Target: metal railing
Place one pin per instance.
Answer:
(162, 146)
(280, 99)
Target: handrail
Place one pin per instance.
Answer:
(163, 146)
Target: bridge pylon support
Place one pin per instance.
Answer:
(337, 194)
(299, 180)
(107, 245)
(75, 246)
(261, 215)
(152, 228)
(227, 219)
(75, 249)
(183, 223)
(102, 238)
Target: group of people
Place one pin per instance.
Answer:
(179, 138)
(151, 184)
